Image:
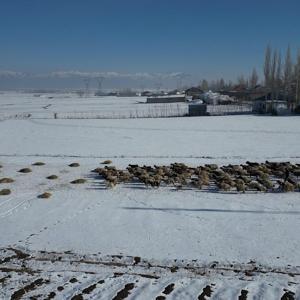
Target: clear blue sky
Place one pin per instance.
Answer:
(210, 38)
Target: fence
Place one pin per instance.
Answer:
(235, 109)
(141, 111)
(149, 111)
(19, 116)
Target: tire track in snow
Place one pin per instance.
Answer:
(60, 221)
(9, 211)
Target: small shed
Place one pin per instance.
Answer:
(276, 107)
(197, 109)
(146, 94)
(194, 92)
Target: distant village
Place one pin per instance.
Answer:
(277, 94)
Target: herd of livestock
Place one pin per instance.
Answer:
(251, 176)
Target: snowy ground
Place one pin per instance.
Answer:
(218, 245)
(44, 106)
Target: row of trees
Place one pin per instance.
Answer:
(221, 84)
(281, 77)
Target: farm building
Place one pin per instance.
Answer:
(277, 107)
(241, 95)
(194, 92)
(167, 99)
(147, 94)
(127, 93)
(197, 109)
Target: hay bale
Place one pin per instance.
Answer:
(106, 162)
(45, 195)
(78, 181)
(5, 192)
(38, 163)
(6, 180)
(74, 165)
(52, 177)
(25, 170)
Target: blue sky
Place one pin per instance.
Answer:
(205, 38)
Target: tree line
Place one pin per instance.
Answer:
(281, 77)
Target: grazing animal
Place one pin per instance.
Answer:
(245, 179)
(265, 182)
(296, 172)
(196, 183)
(212, 166)
(252, 164)
(256, 186)
(204, 177)
(110, 184)
(286, 186)
(224, 186)
(240, 185)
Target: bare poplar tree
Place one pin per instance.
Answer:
(278, 76)
(298, 79)
(253, 79)
(273, 74)
(222, 84)
(212, 85)
(267, 65)
(229, 85)
(242, 81)
(288, 69)
(204, 85)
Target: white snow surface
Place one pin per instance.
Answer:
(156, 224)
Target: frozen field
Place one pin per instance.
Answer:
(69, 105)
(88, 242)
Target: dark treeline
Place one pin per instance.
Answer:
(281, 77)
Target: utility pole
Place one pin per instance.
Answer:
(100, 81)
(87, 84)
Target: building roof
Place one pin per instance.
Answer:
(194, 89)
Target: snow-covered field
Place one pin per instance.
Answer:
(88, 242)
(69, 105)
